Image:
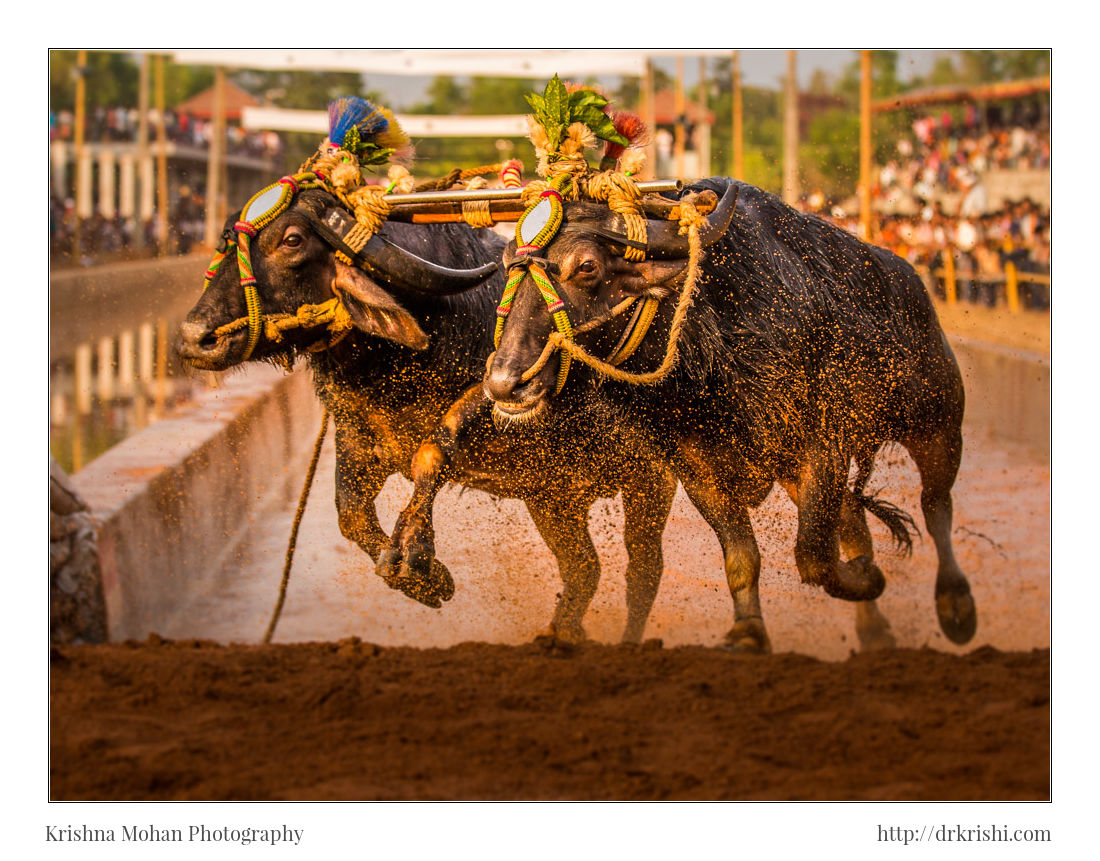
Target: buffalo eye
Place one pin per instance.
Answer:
(293, 238)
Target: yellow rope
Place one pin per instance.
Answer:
(621, 194)
(557, 341)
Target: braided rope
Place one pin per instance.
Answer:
(621, 194)
(557, 341)
(292, 544)
(476, 212)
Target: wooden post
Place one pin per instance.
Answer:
(678, 143)
(215, 155)
(790, 136)
(650, 118)
(83, 181)
(162, 159)
(738, 125)
(950, 288)
(865, 146)
(702, 128)
(82, 380)
(143, 211)
(1012, 287)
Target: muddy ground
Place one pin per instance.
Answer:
(349, 720)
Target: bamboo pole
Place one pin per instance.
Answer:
(162, 158)
(738, 121)
(142, 150)
(865, 146)
(78, 152)
(650, 117)
(950, 287)
(702, 128)
(790, 134)
(678, 143)
(215, 157)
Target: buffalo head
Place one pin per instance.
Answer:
(297, 270)
(585, 263)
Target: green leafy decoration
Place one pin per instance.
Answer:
(556, 109)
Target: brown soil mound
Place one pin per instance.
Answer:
(350, 720)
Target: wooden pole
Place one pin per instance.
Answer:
(790, 136)
(950, 286)
(162, 159)
(142, 149)
(650, 118)
(82, 164)
(216, 155)
(702, 127)
(678, 142)
(865, 146)
(738, 124)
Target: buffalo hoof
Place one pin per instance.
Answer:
(876, 640)
(748, 637)
(559, 643)
(858, 579)
(958, 616)
(430, 584)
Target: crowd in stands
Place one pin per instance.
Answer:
(121, 125)
(945, 155)
(938, 175)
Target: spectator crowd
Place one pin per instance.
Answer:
(945, 206)
(120, 125)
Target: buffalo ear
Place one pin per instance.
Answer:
(375, 311)
(656, 278)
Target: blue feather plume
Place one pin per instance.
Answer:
(350, 112)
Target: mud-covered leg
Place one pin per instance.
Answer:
(727, 515)
(563, 525)
(938, 459)
(360, 475)
(872, 628)
(820, 492)
(647, 500)
(407, 561)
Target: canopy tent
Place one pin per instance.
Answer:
(201, 105)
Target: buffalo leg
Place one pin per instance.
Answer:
(821, 486)
(359, 478)
(872, 627)
(938, 459)
(647, 500)
(407, 562)
(563, 525)
(741, 556)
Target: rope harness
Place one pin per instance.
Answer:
(537, 228)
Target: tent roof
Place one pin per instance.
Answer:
(201, 105)
(979, 92)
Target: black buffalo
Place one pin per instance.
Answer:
(409, 371)
(805, 350)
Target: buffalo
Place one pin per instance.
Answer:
(418, 308)
(805, 350)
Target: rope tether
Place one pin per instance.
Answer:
(294, 529)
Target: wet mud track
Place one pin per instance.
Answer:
(367, 695)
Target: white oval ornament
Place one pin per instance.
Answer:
(264, 204)
(534, 221)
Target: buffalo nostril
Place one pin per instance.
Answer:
(500, 382)
(196, 336)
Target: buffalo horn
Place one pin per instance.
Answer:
(666, 243)
(403, 269)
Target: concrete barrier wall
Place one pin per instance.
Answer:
(172, 501)
(1007, 393)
